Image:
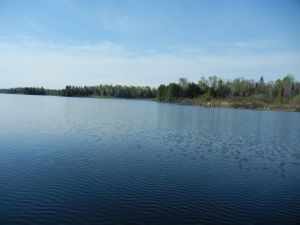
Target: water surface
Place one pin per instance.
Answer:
(108, 161)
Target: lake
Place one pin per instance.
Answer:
(114, 161)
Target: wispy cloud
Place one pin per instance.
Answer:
(30, 62)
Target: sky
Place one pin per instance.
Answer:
(146, 42)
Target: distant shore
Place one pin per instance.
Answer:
(214, 103)
(281, 95)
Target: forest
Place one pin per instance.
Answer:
(211, 91)
(280, 91)
(31, 91)
(117, 91)
(283, 94)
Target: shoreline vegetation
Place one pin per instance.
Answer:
(281, 95)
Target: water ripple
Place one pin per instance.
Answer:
(88, 161)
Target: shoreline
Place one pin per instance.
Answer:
(213, 103)
(244, 104)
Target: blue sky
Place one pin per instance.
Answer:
(59, 42)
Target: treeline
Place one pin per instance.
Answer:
(116, 91)
(6, 91)
(280, 91)
(31, 91)
(28, 91)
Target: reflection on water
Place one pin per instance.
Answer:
(78, 160)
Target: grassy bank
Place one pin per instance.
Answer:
(242, 103)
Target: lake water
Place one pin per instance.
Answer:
(109, 161)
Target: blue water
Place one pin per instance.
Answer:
(108, 161)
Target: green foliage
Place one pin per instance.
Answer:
(28, 91)
(295, 100)
(116, 91)
(278, 100)
(6, 91)
(206, 97)
(259, 93)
